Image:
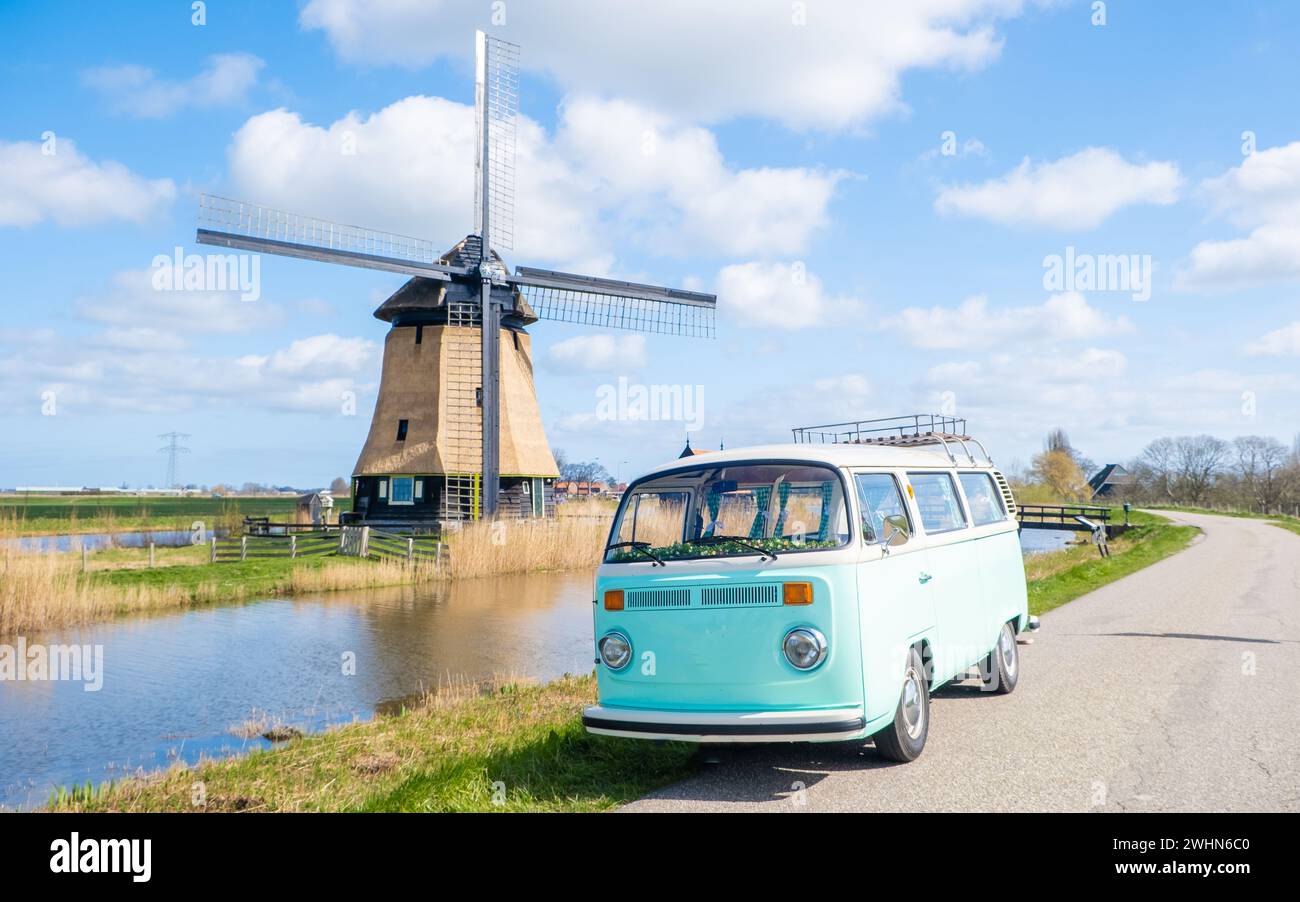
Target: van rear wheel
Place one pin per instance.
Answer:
(1000, 671)
(904, 739)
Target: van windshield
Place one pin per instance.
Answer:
(730, 510)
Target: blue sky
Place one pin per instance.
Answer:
(789, 156)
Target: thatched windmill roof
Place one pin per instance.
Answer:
(428, 299)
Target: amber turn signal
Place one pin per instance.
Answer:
(796, 593)
(614, 599)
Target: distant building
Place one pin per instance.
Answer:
(575, 489)
(1110, 481)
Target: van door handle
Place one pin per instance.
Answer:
(924, 577)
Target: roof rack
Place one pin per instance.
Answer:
(914, 430)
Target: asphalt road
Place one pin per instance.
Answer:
(1174, 689)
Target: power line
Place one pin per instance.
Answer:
(171, 449)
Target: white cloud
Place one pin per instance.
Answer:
(100, 374)
(1278, 343)
(1075, 192)
(973, 324)
(643, 158)
(1262, 194)
(132, 303)
(575, 194)
(138, 91)
(598, 352)
(138, 357)
(784, 295)
(54, 181)
(839, 67)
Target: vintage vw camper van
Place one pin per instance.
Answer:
(808, 592)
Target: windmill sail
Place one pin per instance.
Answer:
(496, 112)
(252, 227)
(588, 300)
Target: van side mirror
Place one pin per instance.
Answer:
(896, 530)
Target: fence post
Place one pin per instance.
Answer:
(243, 548)
(365, 541)
(410, 549)
(151, 555)
(213, 558)
(293, 547)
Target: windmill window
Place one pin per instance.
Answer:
(401, 430)
(403, 490)
(383, 489)
(419, 489)
(419, 334)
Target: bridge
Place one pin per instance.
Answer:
(1067, 516)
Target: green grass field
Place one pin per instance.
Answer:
(46, 514)
(1286, 521)
(1062, 576)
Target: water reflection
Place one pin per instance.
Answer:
(1037, 541)
(175, 685)
(95, 541)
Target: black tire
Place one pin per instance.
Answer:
(904, 739)
(1000, 671)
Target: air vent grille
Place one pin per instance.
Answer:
(646, 599)
(1005, 487)
(740, 596)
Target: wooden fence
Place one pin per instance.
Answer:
(248, 548)
(395, 546)
(353, 541)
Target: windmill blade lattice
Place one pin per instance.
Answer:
(564, 297)
(254, 227)
(497, 118)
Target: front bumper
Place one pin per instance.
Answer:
(743, 726)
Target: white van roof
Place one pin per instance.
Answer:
(836, 455)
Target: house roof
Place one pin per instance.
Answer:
(1111, 474)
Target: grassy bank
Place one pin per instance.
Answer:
(1285, 521)
(508, 748)
(1057, 577)
(48, 591)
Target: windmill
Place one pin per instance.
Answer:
(453, 294)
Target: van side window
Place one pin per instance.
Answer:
(879, 498)
(983, 498)
(936, 499)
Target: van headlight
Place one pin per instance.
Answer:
(615, 650)
(804, 647)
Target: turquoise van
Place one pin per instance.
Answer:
(806, 593)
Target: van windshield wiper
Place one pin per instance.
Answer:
(643, 547)
(719, 540)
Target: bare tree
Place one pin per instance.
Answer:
(1261, 466)
(1183, 469)
(1155, 468)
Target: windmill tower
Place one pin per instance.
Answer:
(456, 429)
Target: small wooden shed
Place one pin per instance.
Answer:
(314, 508)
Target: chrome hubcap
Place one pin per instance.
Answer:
(913, 703)
(1007, 648)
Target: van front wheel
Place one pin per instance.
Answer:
(1001, 669)
(904, 739)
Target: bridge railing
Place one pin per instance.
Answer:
(1061, 516)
